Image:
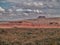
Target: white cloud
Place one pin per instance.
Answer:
(14, 0)
(19, 9)
(1, 9)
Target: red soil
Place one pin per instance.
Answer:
(27, 25)
(33, 23)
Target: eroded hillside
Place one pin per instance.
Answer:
(32, 23)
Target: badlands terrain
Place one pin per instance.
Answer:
(32, 23)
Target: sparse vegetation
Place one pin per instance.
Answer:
(30, 36)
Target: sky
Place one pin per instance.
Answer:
(52, 8)
(6, 3)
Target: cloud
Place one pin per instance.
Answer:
(1, 9)
(14, 0)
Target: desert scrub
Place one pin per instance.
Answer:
(25, 35)
(9, 43)
(57, 41)
(38, 42)
(4, 42)
(29, 34)
(3, 31)
(29, 43)
(16, 43)
(48, 41)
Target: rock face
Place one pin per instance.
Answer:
(33, 23)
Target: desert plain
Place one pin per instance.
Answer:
(41, 31)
